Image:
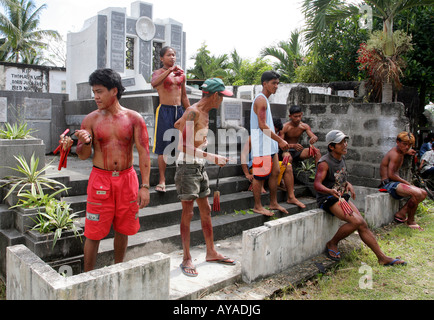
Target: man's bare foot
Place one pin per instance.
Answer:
(278, 207)
(296, 202)
(264, 212)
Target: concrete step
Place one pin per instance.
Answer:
(226, 185)
(167, 239)
(162, 215)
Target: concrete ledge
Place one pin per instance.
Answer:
(283, 243)
(29, 278)
(380, 209)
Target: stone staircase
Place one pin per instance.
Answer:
(160, 221)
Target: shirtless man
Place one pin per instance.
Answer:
(397, 187)
(170, 82)
(292, 132)
(265, 145)
(191, 179)
(114, 194)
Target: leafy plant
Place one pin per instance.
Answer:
(307, 166)
(56, 218)
(37, 200)
(31, 177)
(15, 131)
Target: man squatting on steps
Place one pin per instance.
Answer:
(114, 195)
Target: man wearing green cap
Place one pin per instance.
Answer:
(191, 179)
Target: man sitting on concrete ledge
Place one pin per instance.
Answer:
(397, 187)
(333, 194)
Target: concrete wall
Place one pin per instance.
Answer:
(43, 112)
(29, 278)
(372, 128)
(283, 243)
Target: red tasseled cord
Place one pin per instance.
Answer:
(345, 206)
(63, 153)
(216, 201)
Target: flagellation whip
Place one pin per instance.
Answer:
(216, 201)
(345, 206)
(63, 162)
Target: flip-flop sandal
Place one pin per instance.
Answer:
(162, 187)
(415, 227)
(185, 271)
(394, 263)
(225, 261)
(399, 220)
(336, 254)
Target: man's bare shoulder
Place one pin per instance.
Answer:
(92, 117)
(191, 113)
(260, 101)
(304, 126)
(392, 155)
(158, 72)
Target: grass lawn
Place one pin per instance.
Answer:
(359, 277)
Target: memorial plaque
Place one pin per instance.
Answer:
(118, 28)
(37, 109)
(346, 93)
(3, 109)
(26, 79)
(232, 111)
(176, 38)
(145, 58)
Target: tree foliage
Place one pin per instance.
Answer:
(333, 56)
(209, 66)
(419, 23)
(21, 41)
(288, 54)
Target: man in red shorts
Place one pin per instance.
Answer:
(114, 195)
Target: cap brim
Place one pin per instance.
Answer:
(340, 140)
(227, 93)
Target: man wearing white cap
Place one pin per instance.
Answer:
(333, 196)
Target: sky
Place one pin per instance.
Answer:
(223, 25)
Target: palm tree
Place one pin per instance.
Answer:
(208, 66)
(289, 56)
(321, 13)
(19, 33)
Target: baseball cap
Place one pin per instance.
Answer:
(214, 85)
(335, 136)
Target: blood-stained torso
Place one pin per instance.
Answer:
(114, 136)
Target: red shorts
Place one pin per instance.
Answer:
(112, 199)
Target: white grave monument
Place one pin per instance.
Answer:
(130, 45)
